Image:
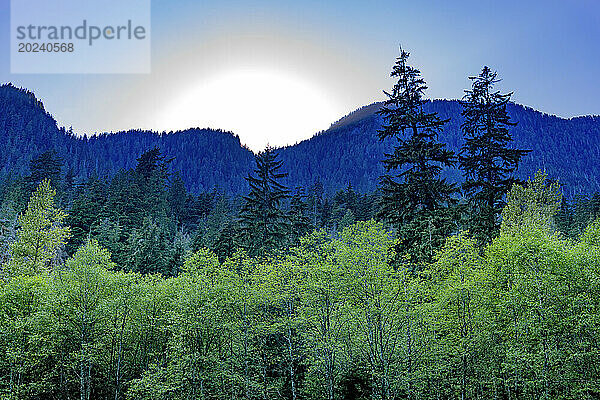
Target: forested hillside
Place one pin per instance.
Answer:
(207, 159)
(348, 152)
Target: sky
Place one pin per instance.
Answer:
(277, 72)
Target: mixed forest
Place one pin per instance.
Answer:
(448, 276)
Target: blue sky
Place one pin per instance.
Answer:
(320, 60)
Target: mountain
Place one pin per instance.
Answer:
(567, 149)
(207, 159)
(349, 152)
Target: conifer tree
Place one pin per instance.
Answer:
(125, 202)
(8, 230)
(299, 218)
(177, 197)
(487, 161)
(347, 220)
(416, 199)
(86, 211)
(225, 244)
(148, 249)
(209, 231)
(47, 165)
(264, 225)
(564, 219)
(315, 202)
(151, 175)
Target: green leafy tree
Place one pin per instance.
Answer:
(533, 204)
(456, 291)
(40, 235)
(76, 317)
(381, 310)
(323, 303)
(416, 200)
(20, 353)
(194, 359)
(487, 160)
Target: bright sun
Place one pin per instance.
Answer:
(261, 106)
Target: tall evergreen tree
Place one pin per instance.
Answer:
(177, 197)
(299, 215)
(8, 230)
(416, 200)
(225, 244)
(264, 225)
(315, 202)
(487, 161)
(47, 165)
(151, 176)
(86, 211)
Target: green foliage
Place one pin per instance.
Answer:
(40, 235)
(334, 319)
(454, 312)
(532, 205)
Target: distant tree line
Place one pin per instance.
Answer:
(348, 152)
(150, 222)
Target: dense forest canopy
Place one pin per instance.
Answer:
(331, 318)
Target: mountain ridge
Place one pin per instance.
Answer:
(348, 152)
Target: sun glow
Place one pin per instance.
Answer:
(263, 106)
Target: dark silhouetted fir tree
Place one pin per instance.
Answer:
(226, 242)
(263, 223)
(300, 223)
(177, 197)
(151, 176)
(47, 165)
(416, 199)
(487, 160)
(86, 212)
